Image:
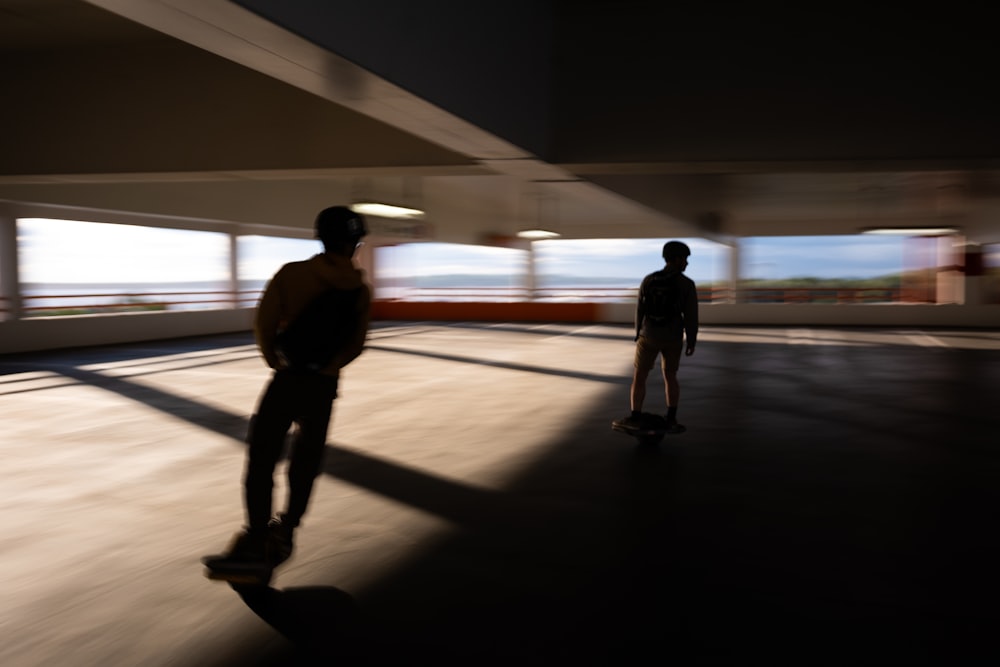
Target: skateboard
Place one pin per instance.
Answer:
(650, 431)
(244, 574)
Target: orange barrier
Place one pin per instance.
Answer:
(452, 311)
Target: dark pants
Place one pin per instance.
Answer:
(291, 396)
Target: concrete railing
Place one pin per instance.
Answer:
(49, 333)
(46, 333)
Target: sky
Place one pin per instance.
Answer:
(763, 258)
(61, 251)
(822, 256)
(69, 251)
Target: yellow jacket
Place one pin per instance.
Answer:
(290, 291)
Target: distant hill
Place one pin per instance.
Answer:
(555, 280)
(95, 287)
(503, 280)
(887, 281)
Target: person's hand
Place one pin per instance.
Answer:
(689, 351)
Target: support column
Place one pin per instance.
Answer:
(10, 281)
(531, 279)
(735, 258)
(234, 269)
(365, 258)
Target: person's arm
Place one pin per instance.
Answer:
(266, 321)
(691, 318)
(640, 309)
(357, 342)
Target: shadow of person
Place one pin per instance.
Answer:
(321, 622)
(326, 626)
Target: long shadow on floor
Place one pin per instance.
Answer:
(320, 622)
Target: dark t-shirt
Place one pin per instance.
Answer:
(681, 318)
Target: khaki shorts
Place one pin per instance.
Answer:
(669, 350)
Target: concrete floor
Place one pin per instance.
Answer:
(834, 501)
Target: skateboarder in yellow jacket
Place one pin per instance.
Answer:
(303, 387)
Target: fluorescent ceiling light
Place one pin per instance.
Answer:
(911, 231)
(387, 211)
(537, 234)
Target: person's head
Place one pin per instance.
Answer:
(340, 229)
(676, 253)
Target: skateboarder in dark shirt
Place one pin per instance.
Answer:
(666, 313)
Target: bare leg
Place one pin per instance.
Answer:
(637, 395)
(673, 388)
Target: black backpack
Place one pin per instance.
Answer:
(663, 299)
(320, 331)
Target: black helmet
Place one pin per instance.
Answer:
(675, 250)
(339, 223)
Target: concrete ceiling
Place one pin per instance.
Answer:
(600, 119)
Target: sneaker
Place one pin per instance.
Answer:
(247, 552)
(280, 536)
(629, 421)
